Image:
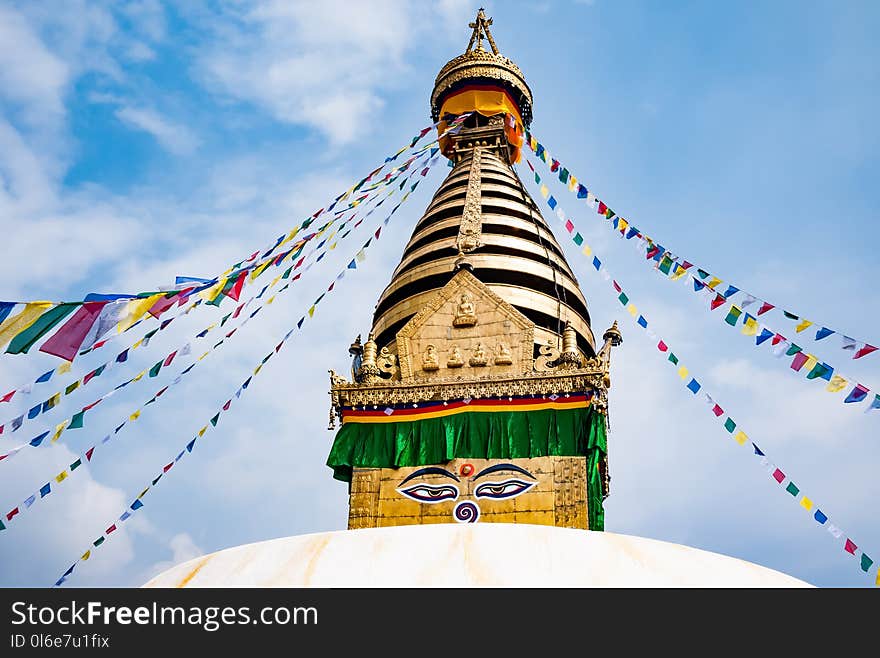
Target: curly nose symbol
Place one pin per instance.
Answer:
(466, 512)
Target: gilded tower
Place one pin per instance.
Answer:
(480, 393)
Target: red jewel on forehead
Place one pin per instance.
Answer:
(466, 470)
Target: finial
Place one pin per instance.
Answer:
(612, 335)
(356, 347)
(481, 27)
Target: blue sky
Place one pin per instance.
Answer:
(144, 140)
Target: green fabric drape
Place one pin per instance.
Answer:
(496, 435)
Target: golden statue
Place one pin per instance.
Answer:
(429, 358)
(479, 357)
(465, 315)
(455, 360)
(504, 358)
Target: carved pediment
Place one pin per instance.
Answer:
(465, 330)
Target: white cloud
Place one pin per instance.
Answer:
(174, 137)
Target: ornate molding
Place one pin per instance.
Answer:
(471, 219)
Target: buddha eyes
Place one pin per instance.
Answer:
(430, 493)
(505, 489)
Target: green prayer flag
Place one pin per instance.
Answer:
(154, 371)
(287, 272)
(24, 340)
(75, 465)
(792, 489)
(98, 541)
(665, 265)
(150, 334)
(70, 389)
(819, 370)
(866, 563)
(76, 421)
(733, 315)
(578, 239)
(563, 175)
(225, 318)
(215, 419)
(729, 425)
(623, 298)
(792, 350)
(673, 358)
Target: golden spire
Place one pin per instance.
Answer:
(481, 28)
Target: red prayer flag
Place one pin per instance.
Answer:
(167, 467)
(252, 256)
(866, 349)
(226, 406)
(110, 529)
(88, 376)
(616, 285)
(11, 513)
(183, 295)
(169, 359)
(66, 341)
(778, 338)
(602, 208)
(237, 311)
(778, 475)
(92, 405)
(718, 301)
(235, 291)
(299, 262)
(798, 361)
(717, 410)
(7, 397)
(766, 306)
(162, 305)
(850, 547)
(229, 335)
(569, 226)
(89, 454)
(100, 343)
(662, 346)
(555, 165)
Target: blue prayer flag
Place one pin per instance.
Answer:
(763, 336)
(820, 517)
(642, 322)
(824, 332)
(45, 490)
(46, 376)
(694, 386)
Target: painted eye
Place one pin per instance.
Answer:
(430, 493)
(505, 489)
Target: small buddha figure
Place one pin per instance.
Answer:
(429, 359)
(479, 356)
(504, 357)
(465, 315)
(455, 360)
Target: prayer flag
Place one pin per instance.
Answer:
(733, 315)
(766, 306)
(865, 350)
(858, 394)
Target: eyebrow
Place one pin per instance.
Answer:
(430, 470)
(503, 467)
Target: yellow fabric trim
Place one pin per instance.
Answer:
(488, 103)
(18, 323)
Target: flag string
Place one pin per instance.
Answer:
(674, 267)
(698, 390)
(137, 503)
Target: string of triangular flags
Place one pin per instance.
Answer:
(675, 267)
(37, 410)
(810, 365)
(76, 421)
(698, 391)
(97, 314)
(137, 503)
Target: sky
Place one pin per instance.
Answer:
(144, 140)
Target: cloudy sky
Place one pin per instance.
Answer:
(144, 140)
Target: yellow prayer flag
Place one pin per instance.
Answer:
(209, 293)
(135, 310)
(741, 437)
(143, 493)
(836, 384)
(803, 324)
(86, 555)
(631, 309)
(203, 355)
(806, 503)
(678, 272)
(63, 368)
(135, 415)
(59, 428)
(257, 271)
(714, 281)
(203, 430)
(270, 300)
(810, 363)
(587, 250)
(312, 311)
(61, 476)
(545, 192)
(750, 327)
(683, 372)
(258, 368)
(275, 280)
(333, 246)
(139, 375)
(18, 323)
(137, 344)
(572, 183)
(621, 225)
